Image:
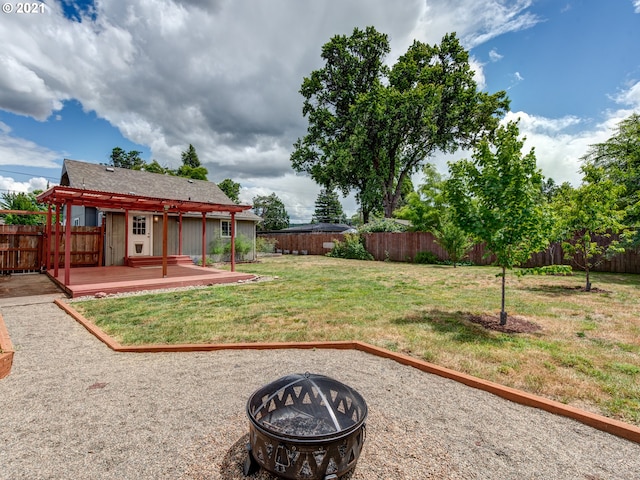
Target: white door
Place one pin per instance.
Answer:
(140, 238)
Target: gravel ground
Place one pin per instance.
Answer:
(73, 409)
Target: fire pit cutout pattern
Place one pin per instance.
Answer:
(305, 426)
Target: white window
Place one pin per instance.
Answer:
(139, 225)
(225, 229)
(76, 222)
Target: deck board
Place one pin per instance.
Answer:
(89, 281)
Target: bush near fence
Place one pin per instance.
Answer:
(403, 247)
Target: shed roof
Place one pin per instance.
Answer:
(103, 178)
(107, 187)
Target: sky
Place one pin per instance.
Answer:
(78, 78)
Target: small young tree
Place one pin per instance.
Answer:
(231, 189)
(497, 198)
(593, 210)
(328, 208)
(271, 209)
(453, 239)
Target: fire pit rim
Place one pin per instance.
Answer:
(305, 439)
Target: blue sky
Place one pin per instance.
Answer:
(82, 78)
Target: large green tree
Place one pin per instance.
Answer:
(231, 189)
(589, 217)
(619, 156)
(328, 208)
(272, 210)
(497, 197)
(370, 126)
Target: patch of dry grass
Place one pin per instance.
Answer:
(587, 352)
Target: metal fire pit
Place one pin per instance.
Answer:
(305, 426)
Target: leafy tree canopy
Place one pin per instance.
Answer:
(22, 201)
(271, 209)
(155, 167)
(497, 197)
(123, 159)
(589, 211)
(187, 171)
(231, 189)
(371, 126)
(425, 207)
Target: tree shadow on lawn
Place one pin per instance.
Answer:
(562, 290)
(466, 327)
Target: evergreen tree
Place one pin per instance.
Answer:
(328, 208)
(190, 157)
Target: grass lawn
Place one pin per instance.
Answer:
(587, 353)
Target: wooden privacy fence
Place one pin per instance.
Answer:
(23, 247)
(403, 247)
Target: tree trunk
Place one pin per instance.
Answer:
(587, 287)
(503, 314)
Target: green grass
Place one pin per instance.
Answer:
(587, 353)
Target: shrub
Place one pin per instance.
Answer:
(222, 246)
(382, 225)
(266, 245)
(426, 257)
(352, 247)
(562, 270)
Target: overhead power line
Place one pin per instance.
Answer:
(29, 175)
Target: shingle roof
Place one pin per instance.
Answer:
(103, 178)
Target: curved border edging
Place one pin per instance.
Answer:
(6, 357)
(599, 422)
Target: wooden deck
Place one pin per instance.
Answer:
(92, 280)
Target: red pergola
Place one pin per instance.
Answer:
(68, 197)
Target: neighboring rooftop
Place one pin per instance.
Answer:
(318, 228)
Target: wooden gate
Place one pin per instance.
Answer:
(23, 247)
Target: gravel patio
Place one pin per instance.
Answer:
(72, 408)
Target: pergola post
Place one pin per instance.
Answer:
(165, 221)
(204, 239)
(47, 243)
(56, 249)
(67, 245)
(180, 233)
(233, 241)
(126, 236)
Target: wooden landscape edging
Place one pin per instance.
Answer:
(6, 357)
(599, 422)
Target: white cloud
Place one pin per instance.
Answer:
(629, 97)
(636, 5)
(18, 151)
(494, 56)
(9, 185)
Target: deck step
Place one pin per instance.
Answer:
(155, 260)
